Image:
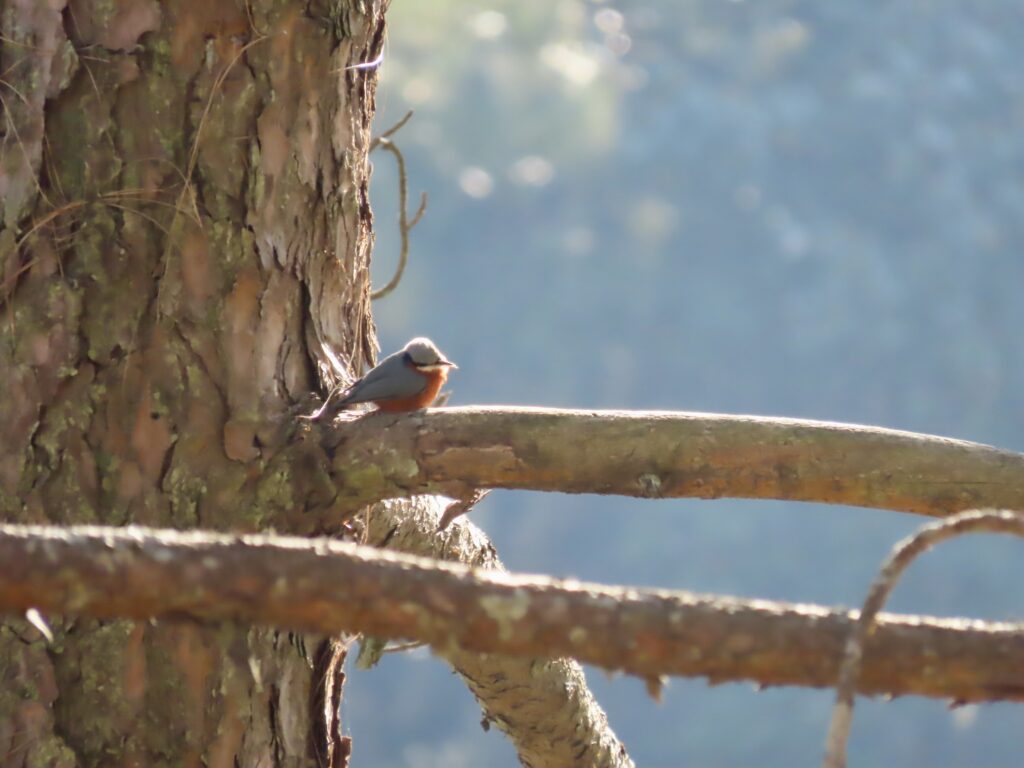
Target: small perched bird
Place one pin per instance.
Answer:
(404, 381)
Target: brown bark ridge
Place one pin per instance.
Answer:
(543, 705)
(184, 249)
(332, 747)
(328, 587)
(455, 451)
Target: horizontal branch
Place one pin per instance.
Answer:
(330, 587)
(665, 455)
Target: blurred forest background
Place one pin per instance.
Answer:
(780, 208)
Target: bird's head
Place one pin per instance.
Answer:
(423, 355)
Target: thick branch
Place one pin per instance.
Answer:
(544, 706)
(331, 587)
(662, 454)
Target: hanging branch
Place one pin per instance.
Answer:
(455, 451)
(392, 130)
(901, 557)
(405, 224)
(544, 706)
(331, 587)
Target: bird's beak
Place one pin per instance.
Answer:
(440, 365)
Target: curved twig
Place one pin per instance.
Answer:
(392, 130)
(459, 507)
(405, 224)
(902, 556)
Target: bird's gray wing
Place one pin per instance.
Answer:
(390, 380)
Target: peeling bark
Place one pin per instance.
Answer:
(329, 743)
(454, 451)
(328, 587)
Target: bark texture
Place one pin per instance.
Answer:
(543, 705)
(330, 587)
(185, 227)
(665, 454)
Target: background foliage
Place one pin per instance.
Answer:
(783, 208)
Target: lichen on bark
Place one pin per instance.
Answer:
(185, 228)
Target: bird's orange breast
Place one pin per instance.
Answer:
(435, 380)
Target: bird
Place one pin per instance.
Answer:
(406, 380)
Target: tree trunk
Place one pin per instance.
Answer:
(184, 251)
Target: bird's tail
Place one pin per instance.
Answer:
(337, 400)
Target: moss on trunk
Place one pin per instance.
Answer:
(185, 227)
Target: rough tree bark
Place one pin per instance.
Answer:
(183, 189)
(331, 587)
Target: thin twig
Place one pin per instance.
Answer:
(899, 559)
(460, 507)
(11, 280)
(193, 158)
(366, 66)
(11, 41)
(405, 224)
(37, 225)
(403, 647)
(391, 131)
(52, 217)
(52, 174)
(146, 216)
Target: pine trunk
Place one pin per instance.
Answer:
(184, 254)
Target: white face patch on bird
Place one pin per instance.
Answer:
(424, 355)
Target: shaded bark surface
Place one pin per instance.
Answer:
(185, 227)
